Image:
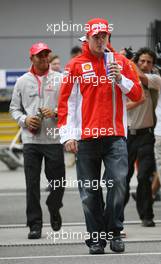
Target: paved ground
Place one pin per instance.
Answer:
(143, 245)
(142, 253)
(12, 208)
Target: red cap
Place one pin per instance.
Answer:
(96, 25)
(38, 47)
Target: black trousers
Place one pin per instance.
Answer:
(54, 170)
(141, 148)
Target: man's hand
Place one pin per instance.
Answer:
(47, 112)
(114, 71)
(143, 78)
(71, 145)
(33, 122)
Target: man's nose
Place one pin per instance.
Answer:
(145, 64)
(44, 56)
(101, 40)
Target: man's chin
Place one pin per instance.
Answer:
(144, 71)
(45, 67)
(99, 51)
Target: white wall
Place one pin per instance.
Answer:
(24, 22)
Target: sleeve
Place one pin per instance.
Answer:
(16, 108)
(130, 84)
(154, 81)
(57, 82)
(67, 105)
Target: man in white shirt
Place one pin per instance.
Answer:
(141, 122)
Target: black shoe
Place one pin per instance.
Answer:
(148, 223)
(34, 234)
(117, 245)
(96, 249)
(55, 220)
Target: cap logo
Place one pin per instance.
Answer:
(99, 26)
(40, 45)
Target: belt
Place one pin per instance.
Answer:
(141, 131)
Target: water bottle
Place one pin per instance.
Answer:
(40, 116)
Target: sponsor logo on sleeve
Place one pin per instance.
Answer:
(89, 74)
(86, 67)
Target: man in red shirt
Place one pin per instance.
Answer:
(92, 121)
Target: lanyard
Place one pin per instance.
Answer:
(38, 80)
(39, 84)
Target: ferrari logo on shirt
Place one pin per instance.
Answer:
(87, 67)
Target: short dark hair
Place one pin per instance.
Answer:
(55, 57)
(75, 50)
(145, 50)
